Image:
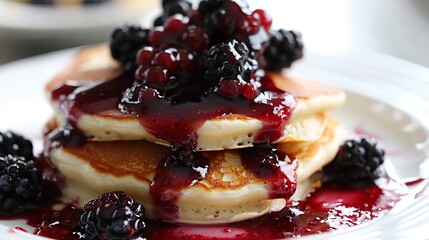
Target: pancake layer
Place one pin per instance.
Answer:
(228, 193)
(229, 131)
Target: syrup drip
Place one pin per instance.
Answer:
(327, 209)
(172, 175)
(177, 123)
(414, 181)
(74, 100)
(268, 164)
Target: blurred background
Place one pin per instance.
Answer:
(399, 28)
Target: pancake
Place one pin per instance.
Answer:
(228, 193)
(230, 131)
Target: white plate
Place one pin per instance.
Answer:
(385, 99)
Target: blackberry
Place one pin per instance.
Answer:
(182, 156)
(113, 215)
(182, 168)
(356, 163)
(209, 6)
(20, 185)
(265, 160)
(171, 8)
(225, 20)
(125, 42)
(229, 61)
(15, 144)
(284, 47)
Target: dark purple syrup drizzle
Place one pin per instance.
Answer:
(74, 100)
(327, 209)
(183, 168)
(178, 123)
(414, 181)
(268, 164)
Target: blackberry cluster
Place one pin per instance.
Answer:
(216, 47)
(358, 162)
(125, 42)
(266, 158)
(20, 185)
(229, 66)
(229, 61)
(206, 7)
(225, 20)
(284, 47)
(182, 161)
(182, 156)
(15, 144)
(113, 215)
(171, 8)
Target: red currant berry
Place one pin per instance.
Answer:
(155, 76)
(156, 36)
(145, 55)
(148, 94)
(249, 91)
(140, 73)
(195, 18)
(249, 25)
(265, 19)
(229, 88)
(166, 61)
(188, 61)
(175, 25)
(196, 38)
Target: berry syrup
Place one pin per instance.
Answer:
(268, 164)
(176, 123)
(327, 209)
(182, 169)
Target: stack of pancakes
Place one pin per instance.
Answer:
(121, 155)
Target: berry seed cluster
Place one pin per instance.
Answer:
(216, 47)
(20, 181)
(358, 162)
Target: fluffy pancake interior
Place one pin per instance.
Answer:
(130, 166)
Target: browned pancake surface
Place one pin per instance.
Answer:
(140, 159)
